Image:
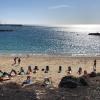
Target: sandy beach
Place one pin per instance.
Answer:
(53, 62)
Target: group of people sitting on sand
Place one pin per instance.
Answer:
(80, 71)
(46, 83)
(69, 70)
(7, 76)
(4, 76)
(29, 71)
(34, 70)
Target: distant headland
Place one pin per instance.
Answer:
(98, 34)
(4, 27)
(11, 25)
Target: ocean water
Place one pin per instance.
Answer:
(67, 40)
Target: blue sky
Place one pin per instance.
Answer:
(50, 12)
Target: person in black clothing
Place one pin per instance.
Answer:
(19, 60)
(35, 69)
(15, 58)
(47, 69)
(94, 66)
(60, 69)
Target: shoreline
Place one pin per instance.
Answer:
(48, 55)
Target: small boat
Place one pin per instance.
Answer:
(98, 34)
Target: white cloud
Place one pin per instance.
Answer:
(59, 6)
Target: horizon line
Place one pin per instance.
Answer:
(50, 24)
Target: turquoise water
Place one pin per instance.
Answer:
(48, 40)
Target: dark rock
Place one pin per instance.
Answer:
(98, 34)
(12, 85)
(68, 82)
(12, 91)
(83, 81)
(92, 74)
(97, 74)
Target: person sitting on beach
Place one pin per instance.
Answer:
(85, 73)
(28, 81)
(47, 82)
(5, 77)
(60, 69)
(13, 73)
(47, 69)
(35, 69)
(69, 71)
(79, 71)
(1, 73)
(42, 69)
(29, 70)
(22, 72)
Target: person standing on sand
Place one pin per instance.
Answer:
(15, 58)
(94, 66)
(19, 60)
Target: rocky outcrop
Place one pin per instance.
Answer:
(13, 91)
(68, 82)
(94, 34)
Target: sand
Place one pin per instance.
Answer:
(53, 62)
